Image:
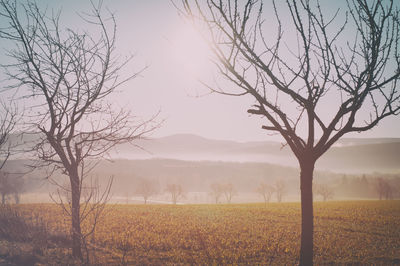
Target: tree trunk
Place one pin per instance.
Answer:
(173, 199)
(76, 224)
(16, 198)
(307, 224)
(3, 198)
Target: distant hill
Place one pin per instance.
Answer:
(383, 157)
(347, 155)
(365, 141)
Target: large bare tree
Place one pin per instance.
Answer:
(315, 75)
(67, 74)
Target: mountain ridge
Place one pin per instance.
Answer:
(349, 154)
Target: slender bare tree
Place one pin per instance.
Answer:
(176, 192)
(345, 61)
(266, 191)
(383, 188)
(7, 123)
(229, 191)
(5, 186)
(280, 189)
(68, 74)
(11, 184)
(146, 188)
(324, 190)
(216, 192)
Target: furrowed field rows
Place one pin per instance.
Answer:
(363, 232)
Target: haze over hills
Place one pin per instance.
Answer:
(347, 155)
(196, 163)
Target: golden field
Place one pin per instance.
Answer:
(348, 232)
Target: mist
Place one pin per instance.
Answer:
(350, 170)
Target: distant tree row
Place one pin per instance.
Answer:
(218, 190)
(148, 188)
(384, 188)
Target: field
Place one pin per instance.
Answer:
(357, 232)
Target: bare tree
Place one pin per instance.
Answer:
(5, 186)
(7, 124)
(10, 185)
(92, 205)
(176, 192)
(383, 188)
(216, 192)
(319, 60)
(18, 187)
(69, 74)
(324, 190)
(280, 189)
(229, 191)
(266, 191)
(146, 188)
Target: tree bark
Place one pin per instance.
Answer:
(76, 224)
(307, 223)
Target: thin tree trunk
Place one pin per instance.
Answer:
(174, 199)
(307, 224)
(76, 225)
(3, 198)
(16, 198)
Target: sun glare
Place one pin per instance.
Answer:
(190, 51)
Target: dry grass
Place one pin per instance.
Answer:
(362, 232)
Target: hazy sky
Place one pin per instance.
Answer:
(177, 58)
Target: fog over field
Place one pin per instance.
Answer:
(350, 169)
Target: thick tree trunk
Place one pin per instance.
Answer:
(76, 224)
(307, 224)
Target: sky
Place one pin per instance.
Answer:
(176, 59)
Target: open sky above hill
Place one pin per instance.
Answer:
(176, 59)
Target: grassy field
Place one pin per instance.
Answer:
(359, 232)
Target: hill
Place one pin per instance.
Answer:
(348, 155)
(352, 155)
